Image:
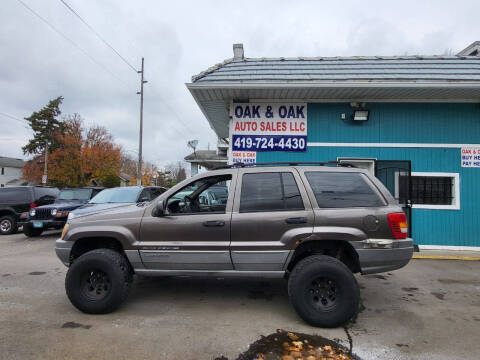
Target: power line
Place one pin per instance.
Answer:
(98, 35)
(70, 41)
(23, 121)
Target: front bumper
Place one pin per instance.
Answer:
(46, 223)
(375, 260)
(63, 249)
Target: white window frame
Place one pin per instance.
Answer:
(354, 160)
(456, 190)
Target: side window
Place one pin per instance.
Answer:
(14, 195)
(196, 197)
(270, 192)
(156, 192)
(145, 195)
(45, 193)
(342, 190)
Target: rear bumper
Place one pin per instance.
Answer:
(375, 260)
(63, 249)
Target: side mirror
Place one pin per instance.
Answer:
(159, 209)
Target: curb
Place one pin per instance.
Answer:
(440, 257)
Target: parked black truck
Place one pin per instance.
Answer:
(54, 216)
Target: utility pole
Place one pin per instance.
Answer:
(45, 166)
(139, 170)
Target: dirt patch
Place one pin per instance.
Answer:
(289, 345)
(5, 275)
(410, 289)
(37, 273)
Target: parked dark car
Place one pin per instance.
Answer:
(55, 215)
(16, 200)
(119, 196)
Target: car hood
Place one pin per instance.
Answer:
(63, 205)
(96, 208)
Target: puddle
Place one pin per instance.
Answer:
(259, 294)
(74, 325)
(288, 346)
(438, 295)
(461, 281)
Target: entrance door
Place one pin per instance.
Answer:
(396, 176)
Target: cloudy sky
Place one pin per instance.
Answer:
(181, 38)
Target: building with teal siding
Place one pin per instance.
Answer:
(413, 121)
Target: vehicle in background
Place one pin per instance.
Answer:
(119, 196)
(16, 200)
(55, 215)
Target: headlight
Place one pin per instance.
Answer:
(54, 212)
(32, 212)
(70, 216)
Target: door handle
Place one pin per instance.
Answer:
(215, 223)
(296, 220)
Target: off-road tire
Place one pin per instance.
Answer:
(111, 263)
(30, 231)
(8, 225)
(303, 286)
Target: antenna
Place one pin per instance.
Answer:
(193, 144)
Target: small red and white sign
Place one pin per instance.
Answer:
(471, 157)
(246, 157)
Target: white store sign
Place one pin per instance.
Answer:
(471, 157)
(269, 127)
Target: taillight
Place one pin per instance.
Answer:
(33, 205)
(398, 225)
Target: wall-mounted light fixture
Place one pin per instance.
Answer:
(360, 115)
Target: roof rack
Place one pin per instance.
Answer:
(288, 163)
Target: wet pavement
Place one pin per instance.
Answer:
(428, 310)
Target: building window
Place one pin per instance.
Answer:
(3, 171)
(432, 190)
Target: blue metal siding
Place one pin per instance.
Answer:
(419, 123)
(397, 123)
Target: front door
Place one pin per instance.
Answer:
(396, 176)
(194, 234)
(270, 207)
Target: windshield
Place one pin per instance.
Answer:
(75, 194)
(116, 195)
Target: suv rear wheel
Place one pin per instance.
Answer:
(323, 291)
(8, 225)
(98, 281)
(30, 231)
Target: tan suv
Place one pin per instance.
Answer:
(313, 225)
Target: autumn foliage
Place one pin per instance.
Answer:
(83, 156)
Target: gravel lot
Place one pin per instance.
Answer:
(428, 310)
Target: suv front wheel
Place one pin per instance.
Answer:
(8, 225)
(323, 291)
(98, 281)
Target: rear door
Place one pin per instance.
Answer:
(396, 176)
(271, 208)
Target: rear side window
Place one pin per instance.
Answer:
(342, 190)
(15, 195)
(45, 193)
(270, 192)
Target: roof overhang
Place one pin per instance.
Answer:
(214, 98)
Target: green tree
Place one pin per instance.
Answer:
(45, 125)
(111, 180)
